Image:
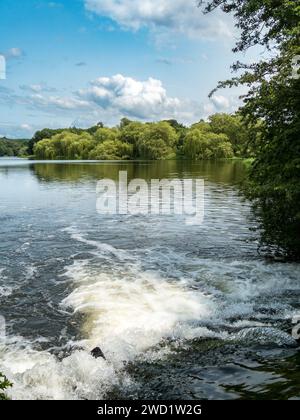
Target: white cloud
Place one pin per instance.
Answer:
(57, 102)
(108, 99)
(149, 100)
(220, 102)
(177, 16)
(134, 98)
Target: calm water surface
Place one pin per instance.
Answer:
(179, 311)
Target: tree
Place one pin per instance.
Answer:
(131, 132)
(124, 122)
(175, 124)
(92, 130)
(106, 134)
(202, 126)
(199, 145)
(112, 150)
(16, 148)
(181, 131)
(235, 130)
(65, 145)
(157, 141)
(46, 133)
(273, 101)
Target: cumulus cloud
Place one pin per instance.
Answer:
(178, 16)
(134, 98)
(118, 96)
(111, 98)
(108, 99)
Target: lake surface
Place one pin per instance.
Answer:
(179, 311)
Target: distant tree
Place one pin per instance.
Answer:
(181, 131)
(65, 145)
(131, 132)
(202, 126)
(111, 150)
(46, 133)
(201, 145)
(92, 130)
(175, 124)
(17, 148)
(234, 128)
(124, 122)
(157, 141)
(106, 134)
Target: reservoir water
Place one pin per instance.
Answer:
(179, 311)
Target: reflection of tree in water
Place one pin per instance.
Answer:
(214, 171)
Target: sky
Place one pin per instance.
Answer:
(79, 62)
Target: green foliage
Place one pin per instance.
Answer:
(202, 126)
(154, 141)
(4, 385)
(130, 132)
(106, 134)
(235, 130)
(199, 145)
(16, 148)
(272, 109)
(112, 150)
(124, 122)
(157, 141)
(46, 133)
(92, 130)
(65, 145)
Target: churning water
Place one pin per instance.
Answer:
(179, 311)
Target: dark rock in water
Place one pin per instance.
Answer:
(97, 353)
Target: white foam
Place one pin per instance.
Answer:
(38, 375)
(128, 312)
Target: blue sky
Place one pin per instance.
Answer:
(77, 62)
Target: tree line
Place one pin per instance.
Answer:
(222, 136)
(11, 148)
